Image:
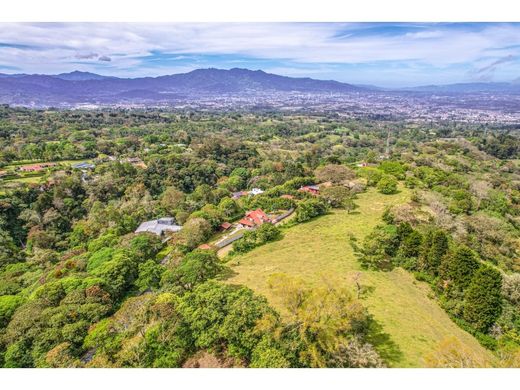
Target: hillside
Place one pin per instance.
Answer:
(83, 87)
(411, 322)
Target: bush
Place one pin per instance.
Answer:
(387, 185)
(309, 209)
(253, 238)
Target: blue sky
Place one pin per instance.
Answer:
(385, 54)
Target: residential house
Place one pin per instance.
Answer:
(254, 218)
(159, 226)
(256, 191)
(225, 226)
(36, 167)
(83, 165)
(239, 194)
(310, 189)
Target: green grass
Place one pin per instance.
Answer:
(411, 322)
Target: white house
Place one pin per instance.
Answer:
(256, 191)
(159, 226)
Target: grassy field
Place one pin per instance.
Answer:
(410, 322)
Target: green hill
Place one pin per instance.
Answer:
(411, 323)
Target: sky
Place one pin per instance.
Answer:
(383, 54)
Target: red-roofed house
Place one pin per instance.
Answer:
(225, 226)
(205, 247)
(254, 218)
(313, 189)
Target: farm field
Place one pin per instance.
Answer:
(412, 323)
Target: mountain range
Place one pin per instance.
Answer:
(84, 87)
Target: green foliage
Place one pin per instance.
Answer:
(387, 185)
(8, 305)
(263, 234)
(310, 208)
(457, 267)
(335, 196)
(434, 247)
(373, 175)
(195, 268)
(150, 274)
(220, 314)
(378, 248)
(483, 299)
(394, 168)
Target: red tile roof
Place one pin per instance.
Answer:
(225, 225)
(254, 218)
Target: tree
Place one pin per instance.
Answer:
(457, 268)
(194, 232)
(171, 200)
(349, 204)
(328, 320)
(451, 353)
(334, 173)
(373, 175)
(335, 195)
(435, 246)
(483, 299)
(149, 276)
(310, 208)
(387, 185)
(394, 168)
(195, 268)
(511, 288)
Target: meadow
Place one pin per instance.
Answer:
(409, 321)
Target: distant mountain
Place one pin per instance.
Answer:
(83, 87)
(80, 76)
(512, 87)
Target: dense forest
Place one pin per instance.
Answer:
(79, 288)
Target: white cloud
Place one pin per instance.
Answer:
(55, 47)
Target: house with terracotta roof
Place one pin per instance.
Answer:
(311, 189)
(254, 218)
(225, 226)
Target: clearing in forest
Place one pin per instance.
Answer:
(410, 323)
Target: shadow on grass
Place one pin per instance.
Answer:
(385, 346)
(227, 273)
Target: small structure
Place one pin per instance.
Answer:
(254, 218)
(239, 194)
(83, 165)
(205, 247)
(36, 167)
(159, 226)
(225, 226)
(311, 189)
(362, 164)
(256, 191)
(287, 196)
(135, 161)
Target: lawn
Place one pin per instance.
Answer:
(411, 323)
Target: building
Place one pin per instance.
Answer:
(311, 189)
(83, 165)
(256, 191)
(159, 226)
(36, 167)
(254, 218)
(239, 194)
(225, 226)
(287, 196)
